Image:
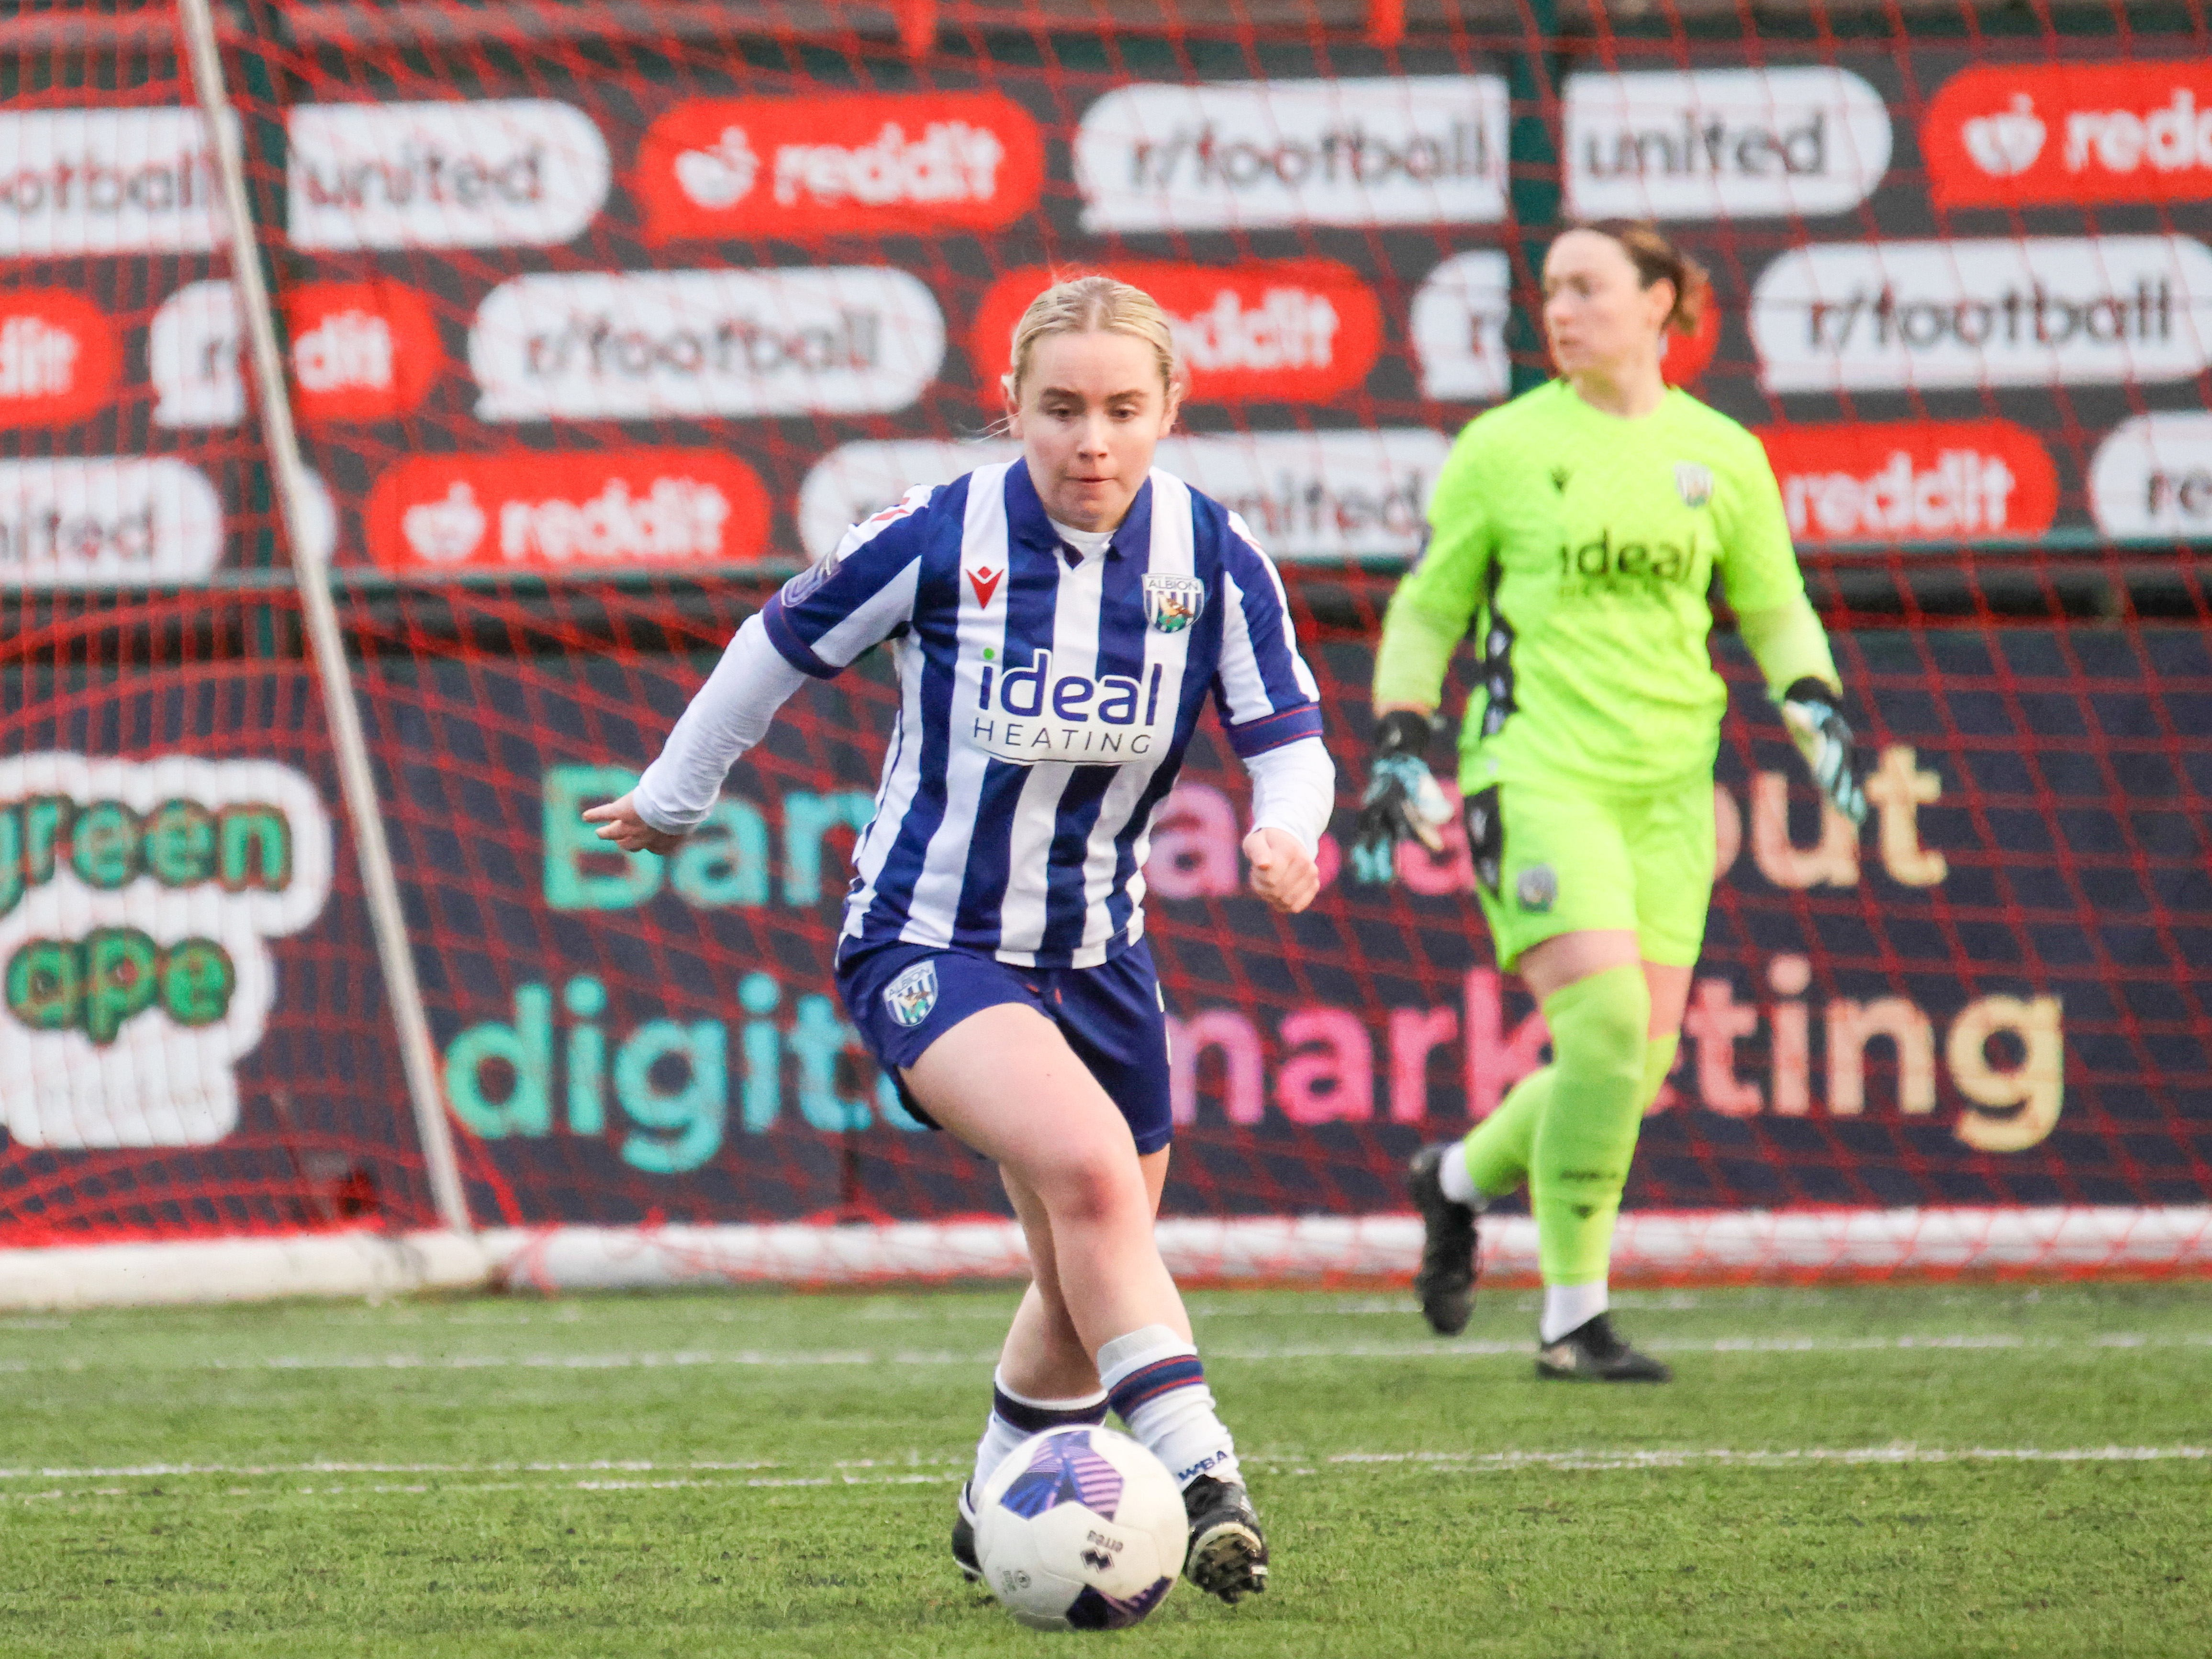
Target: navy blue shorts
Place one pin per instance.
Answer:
(903, 997)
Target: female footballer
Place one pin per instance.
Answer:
(1578, 528)
(1058, 622)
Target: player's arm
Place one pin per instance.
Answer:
(1270, 707)
(822, 619)
(1760, 575)
(1427, 618)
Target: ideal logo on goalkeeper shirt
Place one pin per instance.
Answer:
(138, 899)
(1282, 330)
(2018, 135)
(1912, 481)
(613, 509)
(856, 166)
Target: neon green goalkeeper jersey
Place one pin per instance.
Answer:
(1585, 545)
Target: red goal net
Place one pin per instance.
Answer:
(194, 1040)
(600, 323)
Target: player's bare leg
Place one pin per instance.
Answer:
(984, 1081)
(1044, 1353)
(1045, 1379)
(1005, 1081)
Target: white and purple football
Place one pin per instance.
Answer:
(1080, 1528)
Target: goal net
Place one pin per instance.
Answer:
(601, 322)
(194, 1043)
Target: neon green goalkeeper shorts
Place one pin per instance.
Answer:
(1559, 859)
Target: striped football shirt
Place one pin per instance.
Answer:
(1046, 700)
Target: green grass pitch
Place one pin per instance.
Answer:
(1952, 1470)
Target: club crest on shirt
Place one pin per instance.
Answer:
(912, 996)
(1694, 482)
(1173, 603)
(1537, 888)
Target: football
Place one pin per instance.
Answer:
(1080, 1528)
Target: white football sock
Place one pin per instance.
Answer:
(1459, 1186)
(1014, 1418)
(1568, 1307)
(1158, 1389)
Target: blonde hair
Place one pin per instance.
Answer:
(1087, 304)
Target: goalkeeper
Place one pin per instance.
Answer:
(1577, 530)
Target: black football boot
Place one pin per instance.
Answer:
(1592, 1354)
(1228, 1552)
(963, 1537)
(1445, 1282)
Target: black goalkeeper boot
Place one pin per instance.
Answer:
(1592, 1354)
(1445, 1283)
(1228, 1552)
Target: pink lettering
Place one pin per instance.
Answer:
(1335, 1083)
(1244, 1069)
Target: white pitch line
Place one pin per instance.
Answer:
(1784, 1458)
(355, 1489)
(1937, 1342)
(597, 1465)
(939, 1472)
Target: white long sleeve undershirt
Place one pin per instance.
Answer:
(1293, 787)
(730, 713)
(1294, 790)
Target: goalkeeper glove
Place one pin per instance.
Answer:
(1403, 801)
(1824, 738)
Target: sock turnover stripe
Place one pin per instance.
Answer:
(1138, 1389)
(1029, 1419)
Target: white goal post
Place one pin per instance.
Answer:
(272, 396)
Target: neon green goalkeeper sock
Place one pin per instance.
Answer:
(1498, 1147)
(1586, 1135)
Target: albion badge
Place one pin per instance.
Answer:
(912, 996)
(1694, 482)
(1537, 888)
(1173, 603)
